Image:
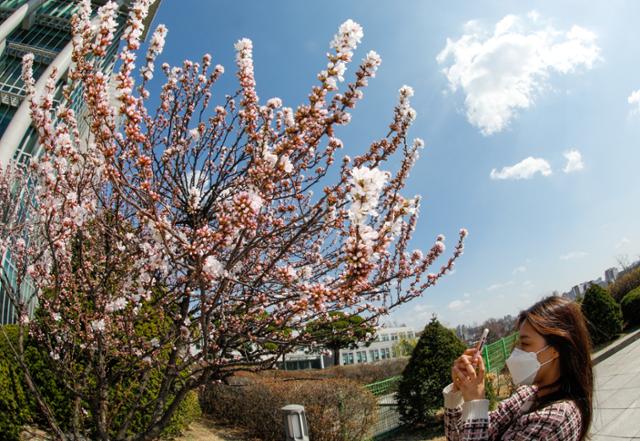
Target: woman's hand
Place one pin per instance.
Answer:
(468, 375)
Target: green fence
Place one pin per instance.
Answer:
(388, 421)
(384, 387)
(495, 355)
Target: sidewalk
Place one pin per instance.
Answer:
(617, 396)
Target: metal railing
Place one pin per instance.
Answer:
(388, 420)
(384, 387)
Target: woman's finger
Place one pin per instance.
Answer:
(460, 376)
(480, 367)
(468, 365)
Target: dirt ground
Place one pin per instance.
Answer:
(206, 430)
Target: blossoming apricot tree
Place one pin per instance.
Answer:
(200, 219)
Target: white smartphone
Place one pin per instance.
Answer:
(480, 345)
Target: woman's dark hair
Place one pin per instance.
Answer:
(561, 323)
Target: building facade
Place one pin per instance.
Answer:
(41, 27)
(385, 346)
(610, 275)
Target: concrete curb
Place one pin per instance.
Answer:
(614, 347)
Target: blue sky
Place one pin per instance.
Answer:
(547, 230)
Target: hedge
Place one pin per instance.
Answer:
(364, 373)
(603, 314)
(631, 307)
(337, 409)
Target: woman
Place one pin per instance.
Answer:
(552, 365)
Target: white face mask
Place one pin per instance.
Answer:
(524, 366)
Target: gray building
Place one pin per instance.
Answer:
(41, 27)
(610, 275)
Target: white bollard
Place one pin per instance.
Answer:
(295, 423)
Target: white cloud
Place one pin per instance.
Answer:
(497, 286)
(624, 241)
(466, 295)
(458, 304)
(634, 100)
(520, 269)
(574, 161)
(501, 71)
(524, 169)
(573, 255)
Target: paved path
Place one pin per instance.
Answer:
(617, 396)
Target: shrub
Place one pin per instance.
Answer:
(365, 373)
(428, 372)
(631, 307)
(14, 408)
(625, 284)
(17, 409)
(337, 409)
(603, 314)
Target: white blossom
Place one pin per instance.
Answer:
(117, 305)
(366, 185)
(348, 37)
(371, 63)
(287, 165)
(274, 103)
(98, 325)
(194, 198)
(213, 268)
(194, 134)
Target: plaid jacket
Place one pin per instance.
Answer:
(560, 421)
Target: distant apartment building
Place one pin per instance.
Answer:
(610, 275)
(581, 288)
(384, 347)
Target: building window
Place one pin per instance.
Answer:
(394, 337)
(387, 352)
(375, 354)
(347, 358)
(385, 337)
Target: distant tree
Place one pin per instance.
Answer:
(498, 328)
(624, 261)
(340, 331)
(427, 373)
(625, 283)
(603, 314)
(405, 346)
